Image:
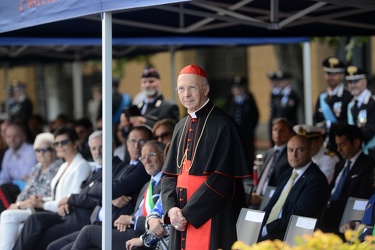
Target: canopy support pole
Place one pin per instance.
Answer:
(107, 129)
(77, 89)
(307, 82)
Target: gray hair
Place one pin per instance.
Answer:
(95, 134)
(44, 137)
(158, 144)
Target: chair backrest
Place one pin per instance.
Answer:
(267, 196)
(354, 210)
(249, 224)
(299, 225)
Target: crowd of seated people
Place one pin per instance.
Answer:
(55, 200)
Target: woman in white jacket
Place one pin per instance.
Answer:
(67, 181)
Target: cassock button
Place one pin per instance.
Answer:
(193, 120)
(191, 130)
(189, 140)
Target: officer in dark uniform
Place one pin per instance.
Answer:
(331, 105)
(284, 100)
(274, 99)
(288, 99)
(242, 106)
(362, 107)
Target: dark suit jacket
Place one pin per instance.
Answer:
(129, 182)
(359, 185)
(281, 166)
(140, 227)
(82, 204)
(307, 197)
(160, 109)
(288, 109)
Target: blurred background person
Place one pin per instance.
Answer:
(361, 109)
(163, 130)
(35, 126)
(119, 102)
(3, 144)
(242, 107)
(274, 99)
(67, 181)
(288, 100)
(332, 104)
(17, 163)
(94, 103)
(22, 107)
(39, 182)
(84, 129)
(154, 107)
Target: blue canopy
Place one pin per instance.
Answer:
(27, 13)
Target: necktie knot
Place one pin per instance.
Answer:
(276, 154)
(293, 176)
(340, 185)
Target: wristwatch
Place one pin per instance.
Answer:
(132, 220)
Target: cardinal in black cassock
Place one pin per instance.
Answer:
(203, 172)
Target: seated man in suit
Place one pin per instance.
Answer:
(275, 162)
(303, 191)
(354, 176)
(43, 228)
(129, 226)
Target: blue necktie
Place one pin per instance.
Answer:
(341, 183)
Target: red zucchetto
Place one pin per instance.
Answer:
(193, 69)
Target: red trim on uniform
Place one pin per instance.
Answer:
(4, 199)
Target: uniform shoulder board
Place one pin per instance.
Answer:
(330, 153)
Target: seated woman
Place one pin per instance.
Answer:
(67, 181)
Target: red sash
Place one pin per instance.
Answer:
(196, 238)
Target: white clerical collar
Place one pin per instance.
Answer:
(193, 115)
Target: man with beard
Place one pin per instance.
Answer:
(361, 110)
(154, 107)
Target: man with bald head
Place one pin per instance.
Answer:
(206, 160)
(302, 191)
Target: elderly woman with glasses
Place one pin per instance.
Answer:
(66, 181)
